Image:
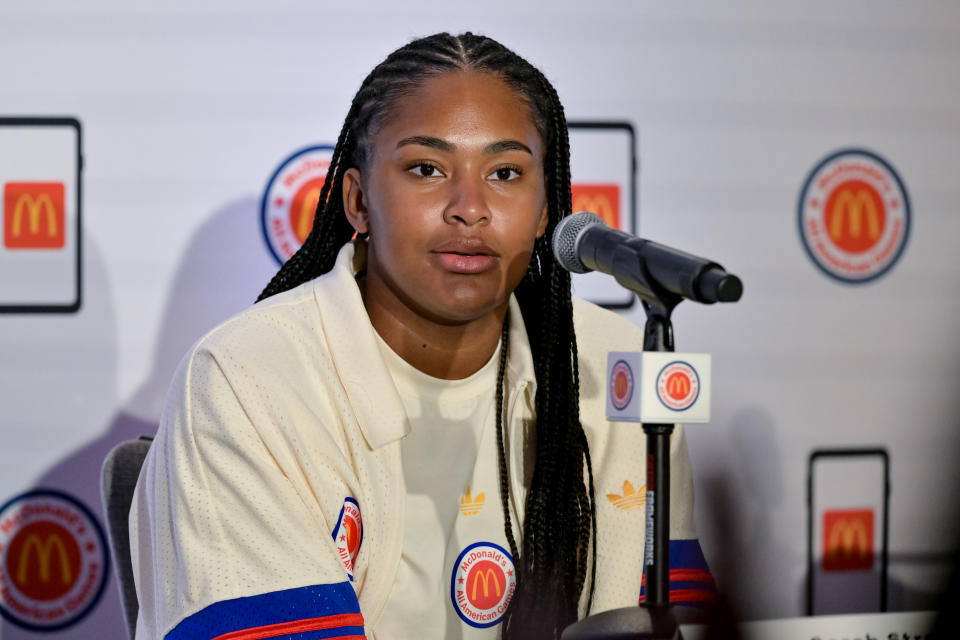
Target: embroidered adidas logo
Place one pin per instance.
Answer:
(631, 498)
(471, 506)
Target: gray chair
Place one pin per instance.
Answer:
(118, 479)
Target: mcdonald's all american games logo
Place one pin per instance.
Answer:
(348, 534)
(678, 385)
(53, 560)
(33, 215)
(621, 385)
(854, 215)
(482, 584)
(290, 200)
(848, 540)
(601, 199)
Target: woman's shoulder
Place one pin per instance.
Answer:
(274, 329)
(599, 328)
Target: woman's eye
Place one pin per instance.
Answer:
(506, 173)
(425, 170)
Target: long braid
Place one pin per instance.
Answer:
(559, 516)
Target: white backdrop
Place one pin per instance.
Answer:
(188, 108)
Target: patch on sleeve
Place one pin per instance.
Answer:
(348, 534)
(691, 582)
(314, 612)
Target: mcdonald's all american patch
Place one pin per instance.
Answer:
(678, 385)
(53, 560)
(854, 215)
(621, 384)
(290, 200)
(482, 584)
(348, 534)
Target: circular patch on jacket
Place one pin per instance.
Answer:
(678, 385)
(348, 534)
(290, 200)
(53, 560)
(854, 215)
(482, 584)
(621, 384)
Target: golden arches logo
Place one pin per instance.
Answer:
(33, 215)
(486, 575)
(601, 199)
(848, 537)
(308, 207)
(34, 207)
(598, 205)
(855, 207)
(44, 552)
(678, 385)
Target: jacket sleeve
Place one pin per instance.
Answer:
(223, 544)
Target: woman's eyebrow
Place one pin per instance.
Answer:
(507, 145)
(427, 141)
(442, 145)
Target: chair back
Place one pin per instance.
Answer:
(118, 480)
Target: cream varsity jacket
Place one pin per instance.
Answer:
(271, 501)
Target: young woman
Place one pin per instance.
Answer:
(403, 437)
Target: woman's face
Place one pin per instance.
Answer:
(453, 198)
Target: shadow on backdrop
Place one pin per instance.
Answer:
(224, 268)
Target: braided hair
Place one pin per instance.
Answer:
(559, 528)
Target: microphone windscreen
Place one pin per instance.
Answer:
(565, 238)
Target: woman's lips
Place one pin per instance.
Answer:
(465, 262)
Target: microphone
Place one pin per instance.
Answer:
(582, 242)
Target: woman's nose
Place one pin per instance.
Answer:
(467, 203)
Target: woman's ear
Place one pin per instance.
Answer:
(544, 219)
(354, 204)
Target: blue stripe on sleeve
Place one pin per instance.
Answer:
(687, 554)
(276, 607)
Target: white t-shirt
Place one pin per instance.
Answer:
(447, 420)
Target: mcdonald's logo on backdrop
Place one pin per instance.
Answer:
(33, 215)
(290, 200)
(854, 216)
(53, 560)
(601, 199)
(848, 540)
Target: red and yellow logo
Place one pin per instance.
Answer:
(482, 584)
(33, 215)
(854, 216)
(290, 200)
(53, 561)
(601, 199)
(348, 534)
(678, 386)
(621, 385)
(848, 540)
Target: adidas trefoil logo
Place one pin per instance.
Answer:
(631, 498)
(471, 506)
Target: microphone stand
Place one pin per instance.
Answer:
(654, 618)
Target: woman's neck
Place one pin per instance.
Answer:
(447, 351)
